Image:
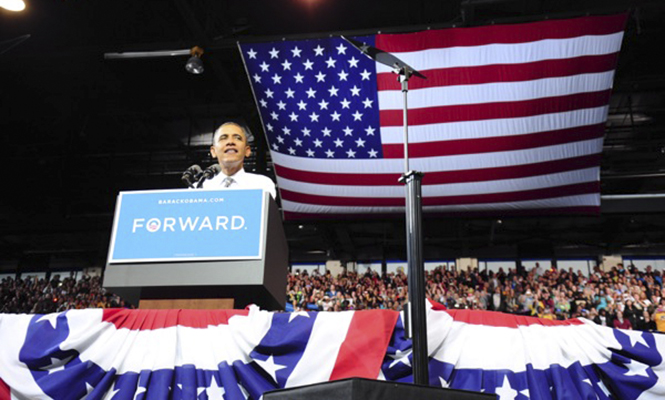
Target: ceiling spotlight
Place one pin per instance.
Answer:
(12, 5)
(195, 64)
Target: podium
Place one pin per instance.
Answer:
(367, 389)
(205, 249)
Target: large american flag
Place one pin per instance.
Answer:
(235, 355)
(510, 118)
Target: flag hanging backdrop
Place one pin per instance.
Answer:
(199, 354)
(509, 120)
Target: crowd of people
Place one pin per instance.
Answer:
(40, 296)
(621, 297)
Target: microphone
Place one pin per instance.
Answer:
(192, 175)
(209, 173)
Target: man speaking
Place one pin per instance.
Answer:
(230, 148)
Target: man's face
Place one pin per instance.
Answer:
(231, 146)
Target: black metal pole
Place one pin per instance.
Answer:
(417, 314)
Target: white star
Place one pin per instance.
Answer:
(318, 51)
(302, 105)
(305, 131)
(275, 146)
(274, 53)
(353, 62)
(317, 143)
(330, 153)
(323, 104)
(326, 131)
(57, 365)
(372, 153)
(308, 64)
(370, 131)
(368, 103)
(400, 357)
(636, 368)
(314, 117)
(88, 389)
(365, 75)
(215, 391)
(443, 382)
(292, 151)
(293, 116)
(298, 77)
(310, 93)
(264, 103)
(348, 131)
(526, 393)
(341, 49)
(280, 139)
(269, 93)
(286, 130)
(110, 394)
(335, 116)
(298, 142)
(296, 52)
(281, 105)
(602, 387)
(360, 142)
(357, 116)
(345, 103)
(287, 65)
(320, 77)
(269, 127)
(339, 142)
(276, 79)
(635, 338)
(506, 392)
(257, 78)
(293, 315)
(264, 67)
(330, 62)
(51, 318)
(342, 75)
(350, 153)
(333, 91)
(310, 153)
(251, 54)
(274, 115)
(141, 390)
(289, 93)
(364, 48)
(355, 91)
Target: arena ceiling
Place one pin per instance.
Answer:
(77, 128)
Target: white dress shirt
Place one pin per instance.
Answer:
(241, 180)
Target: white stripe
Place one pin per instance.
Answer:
(165, 348)
(320, 355)
(518, 53)
(451, 189)
(495, 127)
(443, 163)
(496, 92)
(468, 345)
(556, 202)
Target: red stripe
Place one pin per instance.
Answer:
(364, 347)
(156, 319)
(504, 73)
(581, 210)
(498, 110)
(494, 144)
(492, 318)
(516, 33)
(524, 195)
(5, 392)
(441, 177)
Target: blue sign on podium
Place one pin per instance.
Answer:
(187, 225)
